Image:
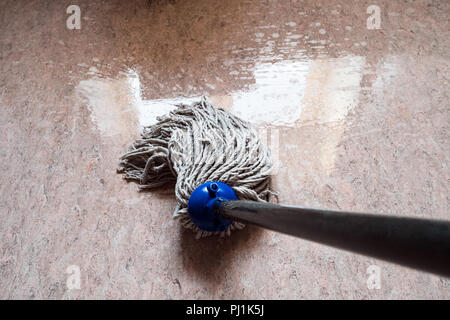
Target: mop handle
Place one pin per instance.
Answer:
(418, 243)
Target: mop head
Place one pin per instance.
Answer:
(195, 144)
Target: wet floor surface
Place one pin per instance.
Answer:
(356, 118)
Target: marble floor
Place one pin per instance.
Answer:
(352, 97)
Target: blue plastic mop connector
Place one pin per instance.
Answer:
(203, 202)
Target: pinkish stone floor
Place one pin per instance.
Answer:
(357, 119)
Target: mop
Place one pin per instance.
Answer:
(221, 172)
(198, 143)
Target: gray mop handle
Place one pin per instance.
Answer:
(422, 244)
